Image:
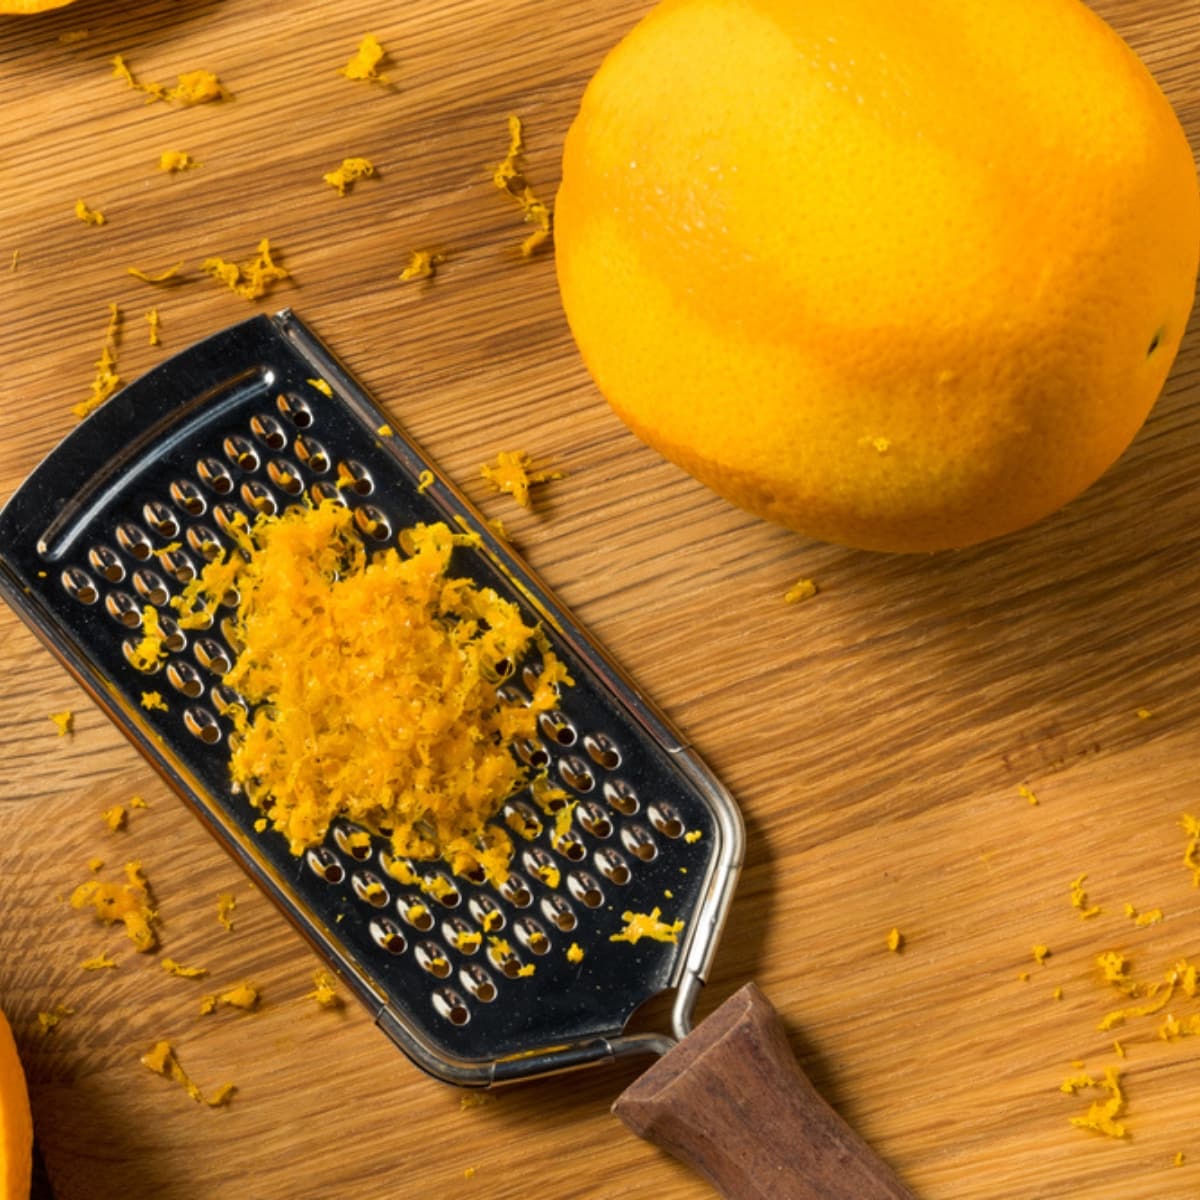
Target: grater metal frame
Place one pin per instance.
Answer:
(38, 527)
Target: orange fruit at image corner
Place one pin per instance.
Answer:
(25, 7)
(903, 277)
(16, 1122)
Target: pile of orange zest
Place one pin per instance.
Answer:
(193, 87)
(802, 589)
(180, 971)
(226, 903)
(107, 381)
(63, 722)
(1079, 899)
(350, 171)
(1101, 1116)
(895, 940)
(1151, 917)
(373, 682)
(325, 989)
(154, 700)
(646, 925)
(151, 648)
(365, 63)
(513, 471)
(114, 817)
(575, 953)
(1026, 794)
(98, 962)
(509, 177)
(49, 1019)
(162, 1061)
(89, 216)
(1191, 856)
(128, 902)
(253, 278)
(243, 996)
(176, 160)
(170, 275)
(422, 264)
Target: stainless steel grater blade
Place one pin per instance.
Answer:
(122, 514)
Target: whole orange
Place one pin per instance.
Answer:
(16, 1123)
(900, 276)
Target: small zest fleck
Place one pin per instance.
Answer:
(243, 996)
(1191, 856)
(474, 1100)
(348, 173)
(226, 903)
(514, 473)
(50, 1019)
(128, 902)
(88, 215)
(95, 863)
(424, 481)
(1144, 714)
(253, 278)
(114, 817)
(1101, 1116)
(1118, 1049)
(1040, 954)
(1178, 1160)
(170, 275)
(895, 940)
(422, 264)
(325, 989)
(802, 589)
(107, 380)
(525, 971)
(137, 802)
(152, 320)
(647, 925)
(193, 87)
(98, 962)
(365, 62)
(323, 387)
(385, 430)
(180, 971)
(71, 36)
(1027, 793)
(162, 1061)
(469, 1172)
(174, 161)
(693, 836)
(1079, 899)
(64, 722)
(1057, 993)
(1142, 919)
(509, 177)
(575, 953)
(16, 259)
(153, 701)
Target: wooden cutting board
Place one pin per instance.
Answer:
(876, 736)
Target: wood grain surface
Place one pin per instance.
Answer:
(876, 736)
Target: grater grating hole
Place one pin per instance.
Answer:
(521, 819)
(478, 982)
(358, 477)
(540, 865)
(204, 542)
(310, 452)
(594, 820)
(350, 842)
(178, 565)
(666, 820)
(612, 865)
(569, 846)
(108, 563)
(460, 935)
(415, 912)
(285, 476)
(79, 586)
(487, 912)
(440, 886)
(133, 540)
(516, 891)
(150, 586)
(507, 694)
(121, 606)
(212, 656)
(373, 522)
(558, 728)
(174, 638)
(531, 935)
(323, 863)
(268, 431)
(129, 649)
(622, 797)
(386, 934)
(200, 723)
(451, 1005)
(504, 957)
(639, 841)
(230, 520)
(295, 409)
(369, 888)
(160, 518)
(559, 913)
(188, 497)
(241, 452)
(602, 750)
(258, 497)
(533, 753)
(575, 773)
(432, 958)
(585, 888)
(183, 677)
(213, 473)
(323, 490)
(225, 699)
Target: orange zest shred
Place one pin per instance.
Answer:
(575, 953)
(88, 215)
(253, 278)
(895, 940)
(163, 1061)
(348, 173)
(424, 482)
(137, 802)
(176, 160)
(648, 925)
(509, 177)
(1040, 954)
(1101, 1116)
(128, 902)
(151, 648)
(180, 971)
(64, 722)
(193, 87)
(72, 36)
(95, 863)
(514, 473)
(49, 1019)
(114, 817)
(422, 264)
(107, 380)
(170, 275)
(226, 903)
(1151, 916)
(154, 700)
(98, 962)
(365, 62)
(373, 686)
(802, 589)
(385, 430)
(1027, 793)
(326, 389)
(244, 996)
(325, 989)
(1191, 856)
(1079, 899)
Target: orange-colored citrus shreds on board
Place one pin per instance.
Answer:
(16, 1121)
(28, 7)
(901, 277)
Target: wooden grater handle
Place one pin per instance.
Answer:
(731, 1101)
